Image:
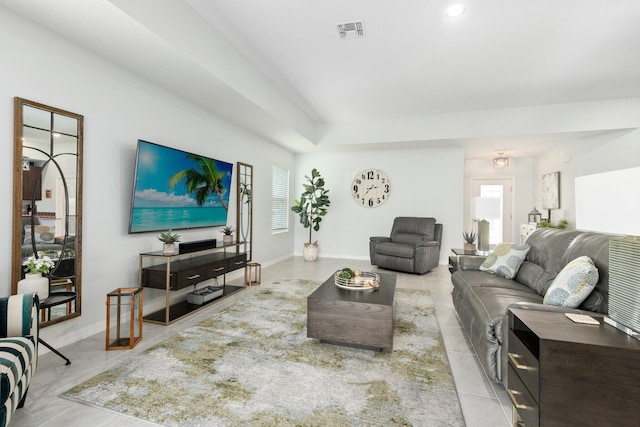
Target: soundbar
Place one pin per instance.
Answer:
(198, 245)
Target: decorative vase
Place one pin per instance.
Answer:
(310, 251)
(470, 248)
(227, 238)
(34, 283)
(168, 248)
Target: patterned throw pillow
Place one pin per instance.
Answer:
(505, 259)
(43, 233)
(573, 284)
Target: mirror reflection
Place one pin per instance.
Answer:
(47, 205)
(245, 207)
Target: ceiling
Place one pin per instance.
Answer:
(492, 80)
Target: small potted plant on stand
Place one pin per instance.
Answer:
(169, 242)
(311, 207)
(34, 281)
(470, 242)
(228, 234)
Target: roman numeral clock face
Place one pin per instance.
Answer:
(370, 188)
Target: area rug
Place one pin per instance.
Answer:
(253, 365)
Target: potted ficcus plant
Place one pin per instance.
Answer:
(169, 242)
(470, 242)
(228, 234)
(311, 207)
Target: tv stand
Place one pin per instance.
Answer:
(187, 270)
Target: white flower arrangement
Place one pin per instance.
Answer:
(38, 265)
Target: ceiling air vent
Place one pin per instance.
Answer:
(350, 30)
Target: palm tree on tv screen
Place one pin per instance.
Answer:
(203, 182)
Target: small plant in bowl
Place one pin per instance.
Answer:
(470, 242)
(228, 234)
(169, 240)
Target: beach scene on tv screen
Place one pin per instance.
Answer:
(177, 190)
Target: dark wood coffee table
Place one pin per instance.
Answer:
(360, 318)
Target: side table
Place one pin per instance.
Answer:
(562, 373)
(455, 254)
(54, 299)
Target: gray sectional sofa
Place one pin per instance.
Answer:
(481, 299)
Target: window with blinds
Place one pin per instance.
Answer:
(279, 199)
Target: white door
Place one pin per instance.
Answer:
(500, 228)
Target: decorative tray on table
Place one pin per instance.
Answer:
(356, 280)
(200, 296)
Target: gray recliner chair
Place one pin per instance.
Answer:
(413, 247)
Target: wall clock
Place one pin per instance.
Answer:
(370, 188)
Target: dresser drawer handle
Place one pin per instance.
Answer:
(218, 269)
(515, 402)
(513, 359)
(195, 276)
(239, 262)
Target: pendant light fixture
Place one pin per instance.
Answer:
(500, 161)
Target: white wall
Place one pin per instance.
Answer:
(424, 182)
(594, 155)
(118, 109)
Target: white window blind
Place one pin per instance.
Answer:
(279, 198)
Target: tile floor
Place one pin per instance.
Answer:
(483, 404)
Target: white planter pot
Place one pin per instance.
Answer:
(310, 251)
(168, 248)
(227, 238)
(34, 283)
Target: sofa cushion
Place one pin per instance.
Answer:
(407, 238)
(481, 311)
(574, 283)
(529, 274)
(406, 229)
(479, 279)
(395, 249)
(505, 259)
(544, 260)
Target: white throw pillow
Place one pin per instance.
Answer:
(573, 284)
(505, 259)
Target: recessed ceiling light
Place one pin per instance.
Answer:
(455, 10)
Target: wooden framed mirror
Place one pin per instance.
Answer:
(47, 203)
(244, 211)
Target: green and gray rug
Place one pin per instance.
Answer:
(253, 365)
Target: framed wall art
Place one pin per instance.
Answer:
(551, 190)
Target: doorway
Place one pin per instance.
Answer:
(499, 228)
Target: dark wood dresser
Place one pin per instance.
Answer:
(562, 373)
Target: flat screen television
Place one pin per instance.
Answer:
(174, 189)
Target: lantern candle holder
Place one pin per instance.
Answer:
(534, 216)
(124, 318)
(253, 274)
